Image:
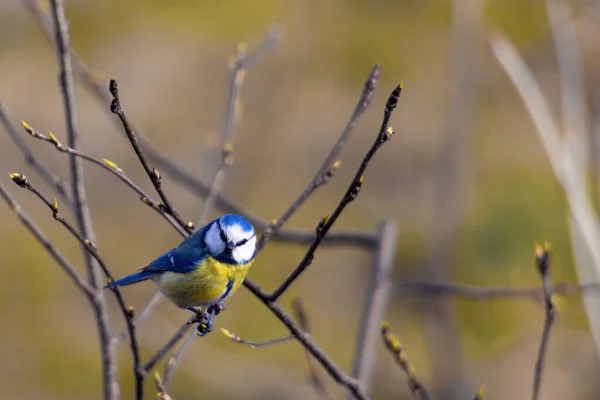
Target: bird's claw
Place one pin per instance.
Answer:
(216, 308)
(205, 324)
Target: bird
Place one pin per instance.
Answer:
(204, 270)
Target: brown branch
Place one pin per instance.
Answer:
(41, 237)
(153, 174)
(315, 378)
(161, 388)
(542, 261)
(395, 347)
(305, 339)
(376, 299)
(25, 183)
(59, 185)
(80, 205)
(418, 288)
(235, 338)
(177, 172)
(143, 315)
(174, 361)
(110, 167)
(329, 166)
(237, 77)
(160, 353)
(327, 222)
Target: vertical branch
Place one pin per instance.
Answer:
(80, 204)
(376, 299)
(238, 67)
(238, 75)
(315, 377)
(585, 222)
(542, 260)
(439, 315)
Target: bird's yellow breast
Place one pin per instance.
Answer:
(205, 285)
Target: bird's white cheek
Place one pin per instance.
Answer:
(243, 254)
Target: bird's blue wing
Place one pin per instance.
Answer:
(183, 259)
(175, 261)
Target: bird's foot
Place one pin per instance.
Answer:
(216, 308)
(206, 320)
(205, 325)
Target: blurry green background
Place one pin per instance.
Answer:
(170, 59)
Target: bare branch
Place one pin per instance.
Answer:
(542, 260)
(177, 172)
(142, 316)
(237, 339)
(376, 299)
(327, 222)
(420, 288)
(237, 77)
(153, 174)
(160, 353)
(175, 360)
(315, 378)
(127, 312)
(161, 388)
(79, 281)
(80, 205)
(585, 225)
(395, 347)
(108, 166)
(329, 166)
(54, 181)
(304, 338)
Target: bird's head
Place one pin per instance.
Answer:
(231, 240)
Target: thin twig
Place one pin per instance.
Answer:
(153, 174)
(478, 293)
(127, 312)
(480, 393)
(160, 353)
(175, 360)
(586, 228)
(80, 205)
(178, 173)
(395, 347)
(235, 338)
(41, 237)
(107, 165)
(237, 77)
(315, 378)
(327, 222)
(161, 388)
(542, 260)
(305, 339)
(329, 166)
(376, 299)
(52, 180)
(143, 315)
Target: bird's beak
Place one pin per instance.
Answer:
(230, 245)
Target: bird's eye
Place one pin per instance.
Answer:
(242, 242)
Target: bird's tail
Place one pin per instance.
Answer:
(133, 278)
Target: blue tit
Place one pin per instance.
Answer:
(205, 269)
